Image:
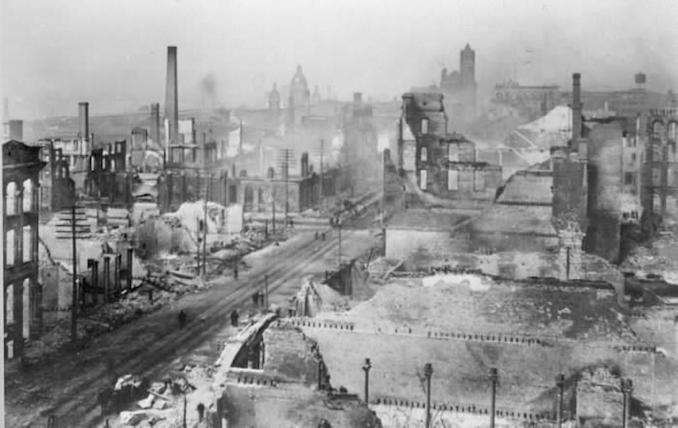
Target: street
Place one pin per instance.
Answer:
(67, 384)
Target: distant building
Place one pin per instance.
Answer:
(22, 314)
(530, 101)
(274, 99)
(460, 87)
(299, 93)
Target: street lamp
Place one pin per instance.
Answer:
(560, 383)
(428, 371)
(366, 368)
(627, 388)
(494, 377)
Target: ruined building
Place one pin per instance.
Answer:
(460, 87)
(108, 180)
(75, 150)
(438, 163)
(21, 166)
(660, 175)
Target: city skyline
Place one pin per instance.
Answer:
(59, 53)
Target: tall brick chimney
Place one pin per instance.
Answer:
(83, 120)
(172, 96)
(304, 164)
(576, 108)
(155, 123)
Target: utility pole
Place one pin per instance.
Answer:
(74, 303)
(266, 290)
(428, 371)
(322, 151)
(383, 186)
(204, 229)
(627, 388)
(366, 368)
(560, 383)
(494, 377)
(285, 157)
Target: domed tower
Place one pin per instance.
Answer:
(274, 98)
(299, 88)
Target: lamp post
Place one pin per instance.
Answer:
(627, 388)
(428, 371)
(560, 383)
(494, 377)
(366, 368)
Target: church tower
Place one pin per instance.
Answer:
(467, 71)
(274, 99)
(467, 66)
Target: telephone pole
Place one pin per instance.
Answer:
(285, 158)
(74, 304)
(322, 152)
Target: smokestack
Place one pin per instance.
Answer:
(155, 123)
(83, 119)
(576, 108)
(304, 164)
(172, 95)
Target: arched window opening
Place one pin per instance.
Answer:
(27, 249)
(26, 309)
(10, 248)
(10, 198)
(9, 304)
(27, 197)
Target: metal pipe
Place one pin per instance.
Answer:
(560, 383)
(494, 377)
(107, 278)
(428, 371)
(366, 368)
(626, 387)
(130, 262)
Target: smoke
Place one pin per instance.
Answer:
(208, 90)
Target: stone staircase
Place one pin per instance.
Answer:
(64, 224)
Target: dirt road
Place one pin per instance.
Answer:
(67, 385)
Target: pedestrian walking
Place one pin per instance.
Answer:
(234, 318)
(255, 298)
(182, 319)
(201, 411)
(235, 271)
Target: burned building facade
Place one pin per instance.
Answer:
(23, 294)
(108, 179)
(438, 163)
(660, 168)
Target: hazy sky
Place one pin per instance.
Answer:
(55, 53)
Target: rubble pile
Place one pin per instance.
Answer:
(659, 259)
